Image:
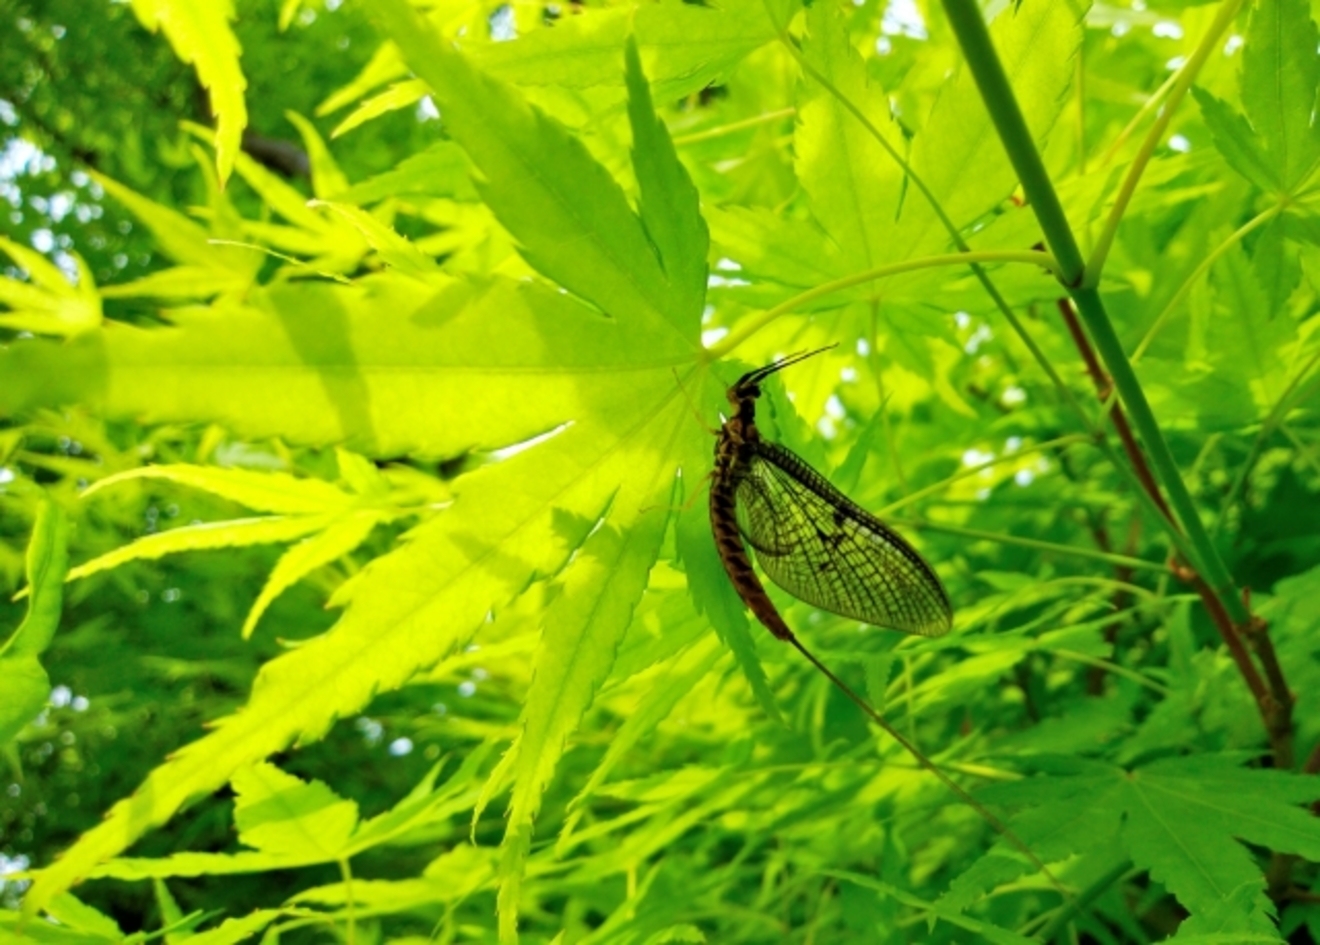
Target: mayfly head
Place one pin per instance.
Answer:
(748, 386)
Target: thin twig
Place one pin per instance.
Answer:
(933, 768)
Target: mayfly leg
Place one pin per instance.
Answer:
(696, 494)
(692, 405)
(920, 757)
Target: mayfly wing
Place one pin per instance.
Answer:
(821, 547)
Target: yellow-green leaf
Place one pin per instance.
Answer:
(209, 535)
(48, 304)
(337, 540)
(260, 491)
(24, 685)
(200, 34)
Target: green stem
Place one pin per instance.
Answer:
(1065, 392)
(997, 94)
(1186, 76)
(955, 235)
(1302, 449)
(1074, 551)
(1272, 422)
(750, 326)
(1152, 102)
(1207, 559)
(1090, 894)
(938, 487)
(1110, 667)
(878, 372)
(1260, 220)
(350, 907)
(733, 126)
(974, 38)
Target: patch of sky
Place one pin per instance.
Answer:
(714, 281)
(712, 335)
(1176, 63)
(1024, 477)
(20, 158)
(1168, 29)
(1232, 44)
(426, 110)
(863, 347)
(503, 24)
(400, 747)
(371, 729)
(980, 336)
(1180, 144)
(975, 457)
(848, 374)
(13, 864)
(902, 18)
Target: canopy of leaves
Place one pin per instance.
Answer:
(357, 372)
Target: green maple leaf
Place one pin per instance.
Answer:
(583, 380)
(1182, 819)
(866, 210)
(1275, 144)
(200, 34)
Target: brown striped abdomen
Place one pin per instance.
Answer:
(733, 553)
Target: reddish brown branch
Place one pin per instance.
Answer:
(1104, 387)
(1312, 763)
(1273, 700)
(1233, 640)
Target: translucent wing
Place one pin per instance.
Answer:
(819, 546)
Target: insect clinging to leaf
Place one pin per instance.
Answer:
(811, 539)
(821, 547)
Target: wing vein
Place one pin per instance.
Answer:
(818, 545)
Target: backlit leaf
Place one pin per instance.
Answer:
(200, 34)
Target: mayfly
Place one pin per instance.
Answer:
(821, 547)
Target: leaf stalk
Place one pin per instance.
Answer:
(750, 326)
(1182, 84)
